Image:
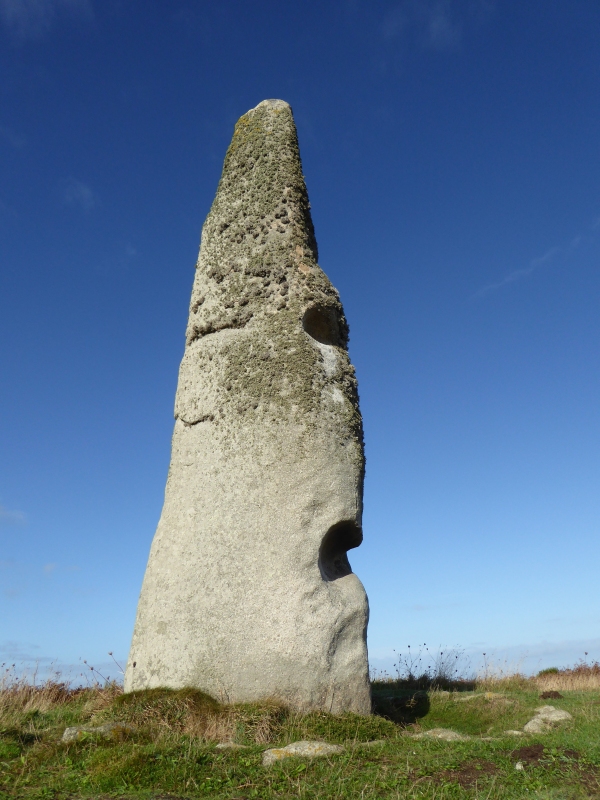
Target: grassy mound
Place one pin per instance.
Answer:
(167, 744)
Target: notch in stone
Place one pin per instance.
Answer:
(322, 323)
(333, 553)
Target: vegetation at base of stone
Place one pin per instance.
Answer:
(167, 744)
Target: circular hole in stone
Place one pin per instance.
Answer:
(322, 324)
(333, 553)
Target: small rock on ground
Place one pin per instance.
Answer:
(442, 733)
(300, 749)
(374, 743)
(545, 718)
(551, 714)
(110, 730)
(231, 746)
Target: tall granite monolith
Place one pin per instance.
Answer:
(248, 593)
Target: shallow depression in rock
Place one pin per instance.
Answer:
(333, 553)
(322, 324)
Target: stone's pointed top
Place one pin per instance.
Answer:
(271, 104)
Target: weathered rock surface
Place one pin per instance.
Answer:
(231, 746)
(248, 593)
(445, 734)
(545, 719)
(110, 730)
(300, 750)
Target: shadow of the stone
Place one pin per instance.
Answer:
(406, 701)
(402, 707)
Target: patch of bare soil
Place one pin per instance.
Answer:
(536, 753)
(468, 774)
(529, 755)
(568, 761)
(551, 695)
(590, 780)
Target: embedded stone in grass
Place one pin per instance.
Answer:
(445, 734)
(231, 746)
(110, 730)
(552, 714)
(484, 695)
(374, 743)
(545, 718)
(302, 750)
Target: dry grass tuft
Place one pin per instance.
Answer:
(20, 694)
(191, 712)
(246, 724)
(580, 678)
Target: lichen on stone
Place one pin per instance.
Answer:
(257, 273)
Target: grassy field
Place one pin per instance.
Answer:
(165, 743)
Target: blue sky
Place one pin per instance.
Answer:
(450, 149)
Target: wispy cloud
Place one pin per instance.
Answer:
(19, 651)
(484, 657)
(18, 578)
(31, 19)
(13, 139)
(394, 22)
(438, 24)
(77, 193)
(443, 30)
(520, 274)
(8, 517)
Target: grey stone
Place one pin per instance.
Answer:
(300, 750)
(231, 746)
(493, 696)
(545, 719)
(551, 714)
(442, 733)
(373, 743)
(537, 725)
(110, 730)
(248, 593)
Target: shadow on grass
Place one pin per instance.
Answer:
(404, 701)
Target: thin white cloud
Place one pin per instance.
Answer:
(19, 651)
(394, 22)
(437, 24)
(482, 657)
(444, 32)
(519, 274)
(13, 139)
(8, 517)
(31, 19)
(77, 193)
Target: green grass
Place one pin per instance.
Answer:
(171, 751)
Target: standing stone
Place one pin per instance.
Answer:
(248, 593)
